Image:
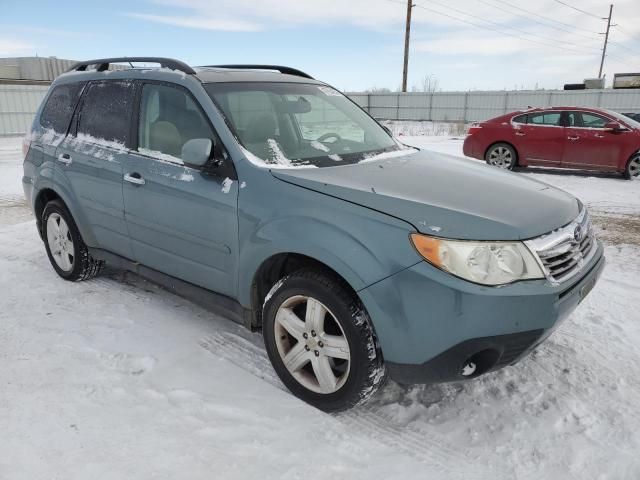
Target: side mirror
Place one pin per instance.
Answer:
(197, 151)
(614, 127)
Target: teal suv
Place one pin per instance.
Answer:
(275, 200)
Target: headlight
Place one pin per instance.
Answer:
(488, 263)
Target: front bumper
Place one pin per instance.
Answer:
(429, 323)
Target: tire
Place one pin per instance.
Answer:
(502, 155)
(632, 170)
(66, 250)
(344, 347)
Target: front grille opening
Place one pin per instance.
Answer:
(563, 260)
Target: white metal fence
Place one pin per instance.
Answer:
(479, 106)
(18, 104)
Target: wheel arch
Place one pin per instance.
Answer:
(48, 192)
(43, 197)
(279, 265)
(635, 154)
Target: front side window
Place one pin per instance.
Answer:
(106, 111)
(169, 118)
(545, 118)
(58, 110)
(295, 124)
(591, 120)
(572, 119)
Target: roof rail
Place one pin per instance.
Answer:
(102, 64)
(277, 68)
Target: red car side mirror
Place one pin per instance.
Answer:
(613, 127)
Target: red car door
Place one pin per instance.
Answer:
(589, 145)
(541, 140)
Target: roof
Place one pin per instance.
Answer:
(218, 75)
(206, 74)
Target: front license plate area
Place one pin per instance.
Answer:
(586, 288)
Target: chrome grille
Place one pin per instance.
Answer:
(563, 252)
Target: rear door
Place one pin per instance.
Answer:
(589, 145)
(91, 159)
(541, 140)
(182, 222)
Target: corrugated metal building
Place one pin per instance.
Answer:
(24, 82)
(43, 69)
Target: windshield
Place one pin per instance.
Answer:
(623, 118)
(299, 124)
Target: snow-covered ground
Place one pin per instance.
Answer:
(116, 378)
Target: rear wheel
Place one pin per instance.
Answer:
(320, 341)
(67, 252)
(502, 155)
(633, 168)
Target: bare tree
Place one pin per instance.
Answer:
(428, 84)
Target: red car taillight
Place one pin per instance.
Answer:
(474, 128)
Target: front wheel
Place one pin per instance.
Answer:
(320, 341)
(502, 155)
(633, 168)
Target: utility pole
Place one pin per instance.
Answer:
(606, 40)
(407, 33)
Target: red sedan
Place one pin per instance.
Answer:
(565, 137)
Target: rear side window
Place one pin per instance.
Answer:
(58, 110)
(520, 119)
(548, 118)
(107, 110)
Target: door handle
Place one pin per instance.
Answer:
(599, 135)
(573, 139)
(65, 158)
(134, 178)
(521, 134)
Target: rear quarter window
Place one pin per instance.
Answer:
(520, 119)
(60, 105)
(106, 111)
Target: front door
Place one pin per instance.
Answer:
(181, 221)
(589, 145)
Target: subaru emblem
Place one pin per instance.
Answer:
(578, 234)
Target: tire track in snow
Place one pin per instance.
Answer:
(425, 446)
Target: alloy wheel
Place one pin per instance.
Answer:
(312, 344)
(634, 167)
(501, 157)
(60, 242)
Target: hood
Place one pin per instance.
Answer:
(445, 196)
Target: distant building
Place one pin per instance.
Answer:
(32, 70)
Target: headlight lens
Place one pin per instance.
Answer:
(488, 263)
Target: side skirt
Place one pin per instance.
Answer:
(214, 302)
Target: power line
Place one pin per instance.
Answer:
(574, 31)
(515, 7)
(502, 31)
(580, 10)
(513, 28)
(485, 27)
(620, 45)
(627, 34)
